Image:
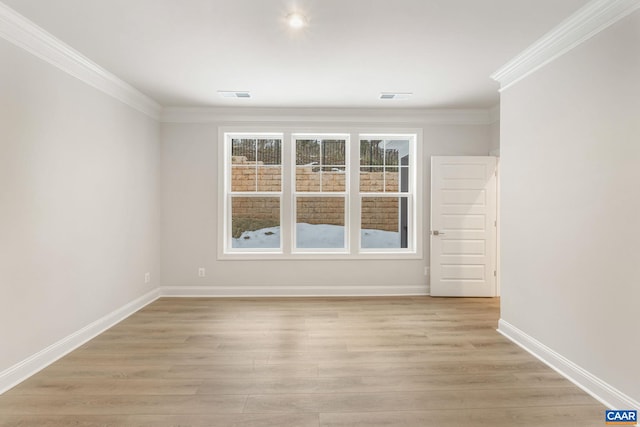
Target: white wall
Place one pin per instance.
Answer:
(79, 203)
(570, 166)
(189, 224)
(494, 137)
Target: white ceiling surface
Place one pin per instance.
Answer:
(181, 52)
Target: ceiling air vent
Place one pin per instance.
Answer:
(396, 96)
(234, 94)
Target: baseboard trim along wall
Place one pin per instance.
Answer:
(292, 291)
(600, 390)
(14, 375)
(19, 372)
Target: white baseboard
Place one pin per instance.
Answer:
(19, 372)
(291, 291)
(600, 390)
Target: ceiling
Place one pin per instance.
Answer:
(181, 52)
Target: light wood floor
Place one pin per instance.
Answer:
(414, 361)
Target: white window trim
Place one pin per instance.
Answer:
(227, 194)
(412, 195)
(287, 211)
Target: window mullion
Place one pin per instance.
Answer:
(320, 160)
(287, 219)
(353, 191)
(255, 163)
(384, 166)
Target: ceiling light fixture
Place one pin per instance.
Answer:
(234, 94)
(396, 96)
(296, 20)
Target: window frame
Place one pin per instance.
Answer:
(353, 136)
(410, 194)
(229, 194)
(295, 194)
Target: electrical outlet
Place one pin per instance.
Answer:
(202, 272)
(147, 277)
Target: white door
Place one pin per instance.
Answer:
(463, 226)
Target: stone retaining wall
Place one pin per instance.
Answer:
(377, 213)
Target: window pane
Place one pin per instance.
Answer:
(333, 152)
(372, 153)
(243, 160)
(255, 222)
(320, 165)
(333, 179)
(391, 180)
(384, 223)
(404, 179)
(320, 222)
(371, 179)
(307, 152)
(269, 152)
(384, 165)
(307, 178)
(391, 157)
(269, 178)
(396, 151)
(243, 177)
(255, 165)
(404, 152)
(243, 148)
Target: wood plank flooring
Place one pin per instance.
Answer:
(302, 362)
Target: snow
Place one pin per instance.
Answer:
(263, 238)
(316, 236)
(319, 236)
(379, 239)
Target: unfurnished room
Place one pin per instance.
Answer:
(319, 213)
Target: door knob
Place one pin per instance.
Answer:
(437, 233)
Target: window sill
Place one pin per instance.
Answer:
(314, 256)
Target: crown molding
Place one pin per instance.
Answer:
(20, 31)
(579, 27)
(325, 115)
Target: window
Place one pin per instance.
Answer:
(255, 196)
(385, 193)
(320, 193)
(301, 195)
